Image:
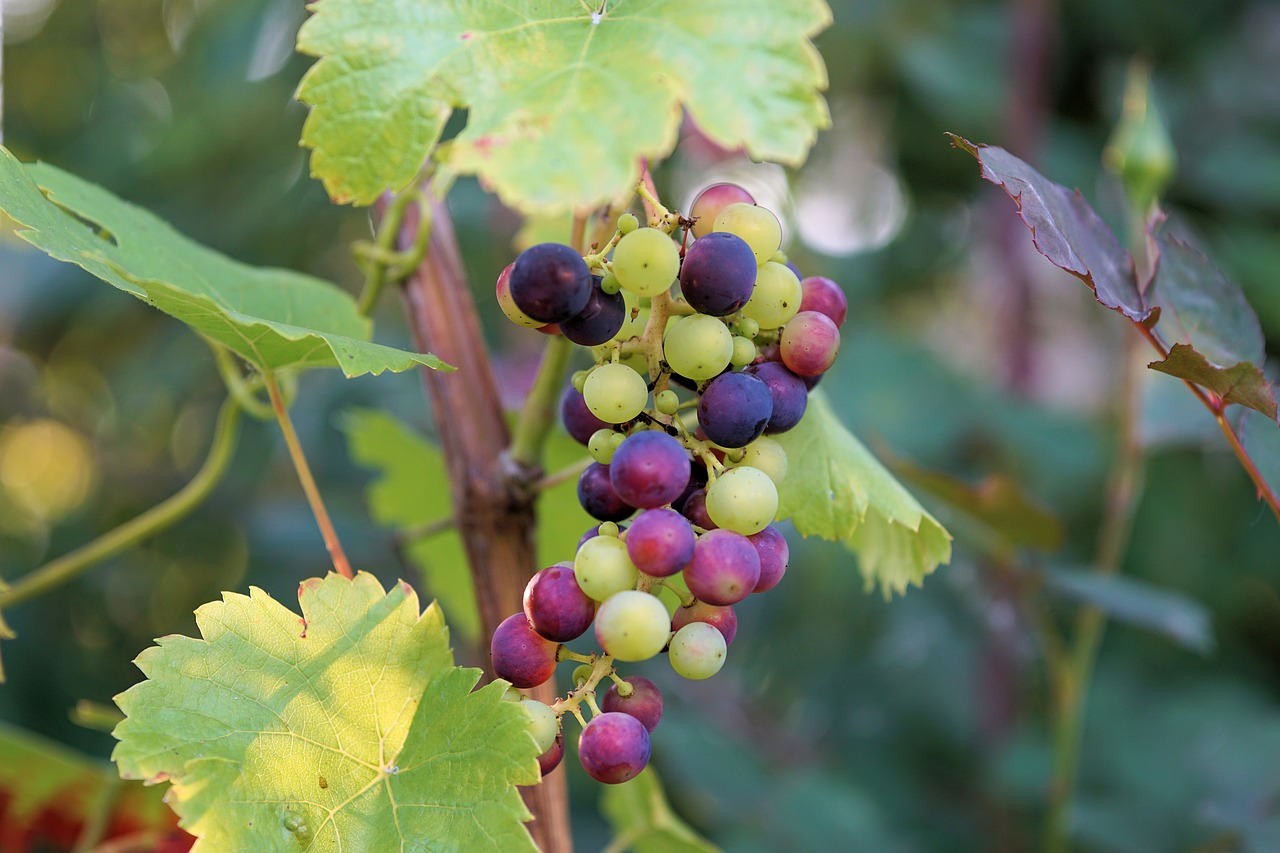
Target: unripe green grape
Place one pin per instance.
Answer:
(615, 441)
(602, 567)
(615, 393)
(600, 445)
(609, 283)
(768, 456)
(607, 528)
(780, 257)
(776, 298)
(635, 318)
(756, 225)
(744, 351)
(646, 261)
(579, 379)
(698, 347)
(632, 625)
(582, 674)
(667, 402)
(544, 725)
(628, 222)
(697, 651)
(743, 500)
(747, 327)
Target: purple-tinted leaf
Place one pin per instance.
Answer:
(1066, 230)
(1241, 382)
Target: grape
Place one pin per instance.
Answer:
(698, 347)
(723, 618)
(650, 469)
(767, 455)
(742, 499)
(577, 418)
(810, 343)
(551, 759)
(634, 317)
(615, 393)
(744, 351)
(755, 225)
(628, 222)
(597, 496)
(603, 568)
(646, 261)
(697, 480)
(644, 703)
(695, 509)
(632, 625)
(725, 568)
(776, 298)
(824, 296)
(550, 282)
(613, 747)
(667, 402)
(508, 305)
(520, 654)
(544, 725)
(697, 651)
(590, 534)
(556, 606)
(660, 542)
(718, 274)
(598, 321)
(735, 409)
(790, 396)
(601, 445)
(715, 198)
(774, 554)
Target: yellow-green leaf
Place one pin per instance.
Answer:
(643, 820)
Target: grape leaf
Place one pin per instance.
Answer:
(348, 728)
(836, 489)
(643, 820)
(1066, 230)
(562, 101)
(272, 318)
(1241, 383)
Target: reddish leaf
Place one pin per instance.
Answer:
(1241, 382)
(1066, 230)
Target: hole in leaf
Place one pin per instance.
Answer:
(94, 228)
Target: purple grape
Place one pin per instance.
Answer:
(723, 618)
(735, 409)
(809, 344)
(550, 759)
(697, 480)
(660, 542)
(598, 497)
(577, 418)
(613, 747)
(599, 320)
(774, 554)
(824, 296)
(644, 703)
(520, 654)
(718, 274)
(550, 282)
(649, 469)
(695, 509)
(556, 606)
(725, 568)
(788, 391)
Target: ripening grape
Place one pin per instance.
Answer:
(718, 274)
(646, 261)
(660, 542)
(809, 344)
(695, 509)
(767, 455)
(754, 224)
(603, 568)
(715, 198)
(632, 625)
(697, 480)
(520, 654)
(508, 305)
(772, 548)
(735, 409)
(597, 496)
(698, 347)
(725, 568)
(722, 617)
(790, 396)
(650, 469)
(742, 499)
(598, 321)
(644, 703)
(615, 393)
(824, 296)
(613, 747)
(776, 298)
(551, 759)
(550, 282)
(556, 606)
(544, 725)
(697, 651)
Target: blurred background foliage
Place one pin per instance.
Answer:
(842, 721)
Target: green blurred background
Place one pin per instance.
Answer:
(842, 721)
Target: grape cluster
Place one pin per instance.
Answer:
(676, 415)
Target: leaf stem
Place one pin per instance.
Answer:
(569, 472)
(384, 262)
(336, 554)
(237, 386)
(160, 517)
(539, 410)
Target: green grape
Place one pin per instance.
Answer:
(744, 351)
(754, 224)
(600, 445)
(632, 625)
(635, 318)
(667, 402)
(776, 298)
(579, 379)
(607, 528)
(609, 283)
(615, 393)
(747, 327)
(602, 567)
(616, 440)
(581, 674)
(698, 347)
(780, 257)
(544, 725)
(628, 222)
(646, 261)
(697, 650)
(742, 499)
(767, 455)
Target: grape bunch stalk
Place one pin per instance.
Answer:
(704, 346)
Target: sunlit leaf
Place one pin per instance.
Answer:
(345, 728)
(643, 821)
(562, 100)
(1181, 619)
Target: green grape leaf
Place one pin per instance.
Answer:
(1066, 230)
(345, 728)
(643, 821)
(836, 489)
(562, 101)
(1241, 382)
(272, 318)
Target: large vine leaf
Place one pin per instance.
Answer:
(348, 728)
(836, 489)
(272, 318)
(562, 101)
(643, 820)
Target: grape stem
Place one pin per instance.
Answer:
(569, 472)
(601, 667)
